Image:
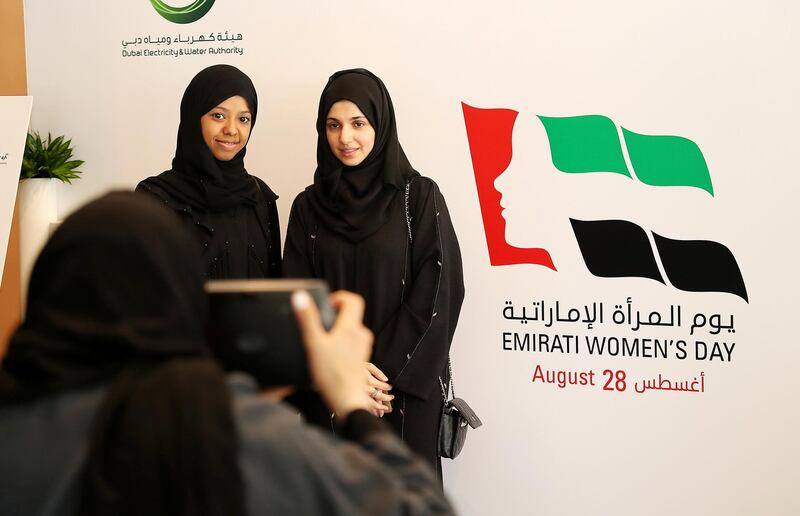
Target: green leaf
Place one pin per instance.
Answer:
(51, 157)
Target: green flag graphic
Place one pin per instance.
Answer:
(587, 143)
(667, 161)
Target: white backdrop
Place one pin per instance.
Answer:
(720, 73)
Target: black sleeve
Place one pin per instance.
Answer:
(296, 254)
(412, 348)
(142, 187)
(275, 267)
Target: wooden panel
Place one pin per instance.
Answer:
(9, 291)
(13, 81)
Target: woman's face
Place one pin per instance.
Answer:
(350, 135)
(226, 128)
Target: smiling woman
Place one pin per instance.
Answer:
(231, 214)
(226, 128)
(372, 224)
(349, 133)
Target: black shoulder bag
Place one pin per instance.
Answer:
(457, 417)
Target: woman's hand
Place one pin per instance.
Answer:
(336, 357)
(378, 389)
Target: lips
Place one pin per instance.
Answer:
(348, 152)
(227, 144)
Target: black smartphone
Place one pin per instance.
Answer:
(252, 328)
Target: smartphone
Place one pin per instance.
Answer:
(252, 328)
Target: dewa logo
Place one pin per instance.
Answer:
(610, 248)
(187, 14)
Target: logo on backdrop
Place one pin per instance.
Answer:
(187, 14)
(186, 43)
(609, 248)
(3, 158)
(637, 167)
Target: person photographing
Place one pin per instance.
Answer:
(111, 404)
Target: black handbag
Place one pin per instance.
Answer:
(457, 417)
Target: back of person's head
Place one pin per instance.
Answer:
(116, 297)
(116, 284)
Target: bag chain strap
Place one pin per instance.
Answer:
(451, 386)
(408, 217)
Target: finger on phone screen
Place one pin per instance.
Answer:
(307, 315)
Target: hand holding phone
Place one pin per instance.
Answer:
(252, 328)
(336, 358)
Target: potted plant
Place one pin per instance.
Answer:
(49, 158)
(45, 162)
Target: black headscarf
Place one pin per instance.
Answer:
(116, 297)
(197, 178)
(116, 284)
(354, 201)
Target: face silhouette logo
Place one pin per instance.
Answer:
(490, 141)
(560, 190)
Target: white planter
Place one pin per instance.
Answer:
(38, 209)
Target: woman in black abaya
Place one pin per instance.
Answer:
(371, 224)
(231, 214)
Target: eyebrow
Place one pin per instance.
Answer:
(351, 118)
(220, 108)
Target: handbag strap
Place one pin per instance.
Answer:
(408, 215)
(451, 386)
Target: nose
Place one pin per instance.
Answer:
(345, 135)
(230, 126)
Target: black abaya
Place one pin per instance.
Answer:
(351, 228)
(240, 242)
(414, 290)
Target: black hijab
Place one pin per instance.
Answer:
(197, 179)
(354, 201)
(116, 297)
(115, 285)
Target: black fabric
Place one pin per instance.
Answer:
(231, 215)
(360, 424)
(242, 242)
(164, 443)
(116, 297)
(107, 290)
(413, 294)
(354, 201)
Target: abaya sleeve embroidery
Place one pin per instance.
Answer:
(296, 255)
(412, 348)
